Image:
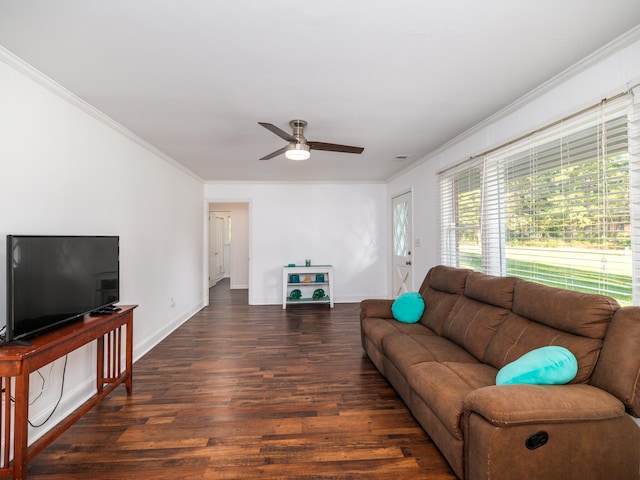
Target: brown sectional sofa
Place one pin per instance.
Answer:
(444, 367)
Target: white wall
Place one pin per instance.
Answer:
(576, 89)
(344, 225)
(63, 171)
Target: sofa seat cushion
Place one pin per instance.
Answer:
(403, 351)
(443, 387)
(376, 329)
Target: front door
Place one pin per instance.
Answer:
(402, 268)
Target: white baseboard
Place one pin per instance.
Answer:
(87, 388)
(140, 349)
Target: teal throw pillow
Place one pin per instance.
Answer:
(408, 307)
(544, 366)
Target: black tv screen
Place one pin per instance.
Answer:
(53, 280)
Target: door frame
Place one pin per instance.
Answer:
(205, 276)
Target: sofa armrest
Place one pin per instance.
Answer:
(376, 308)
(572, 431)
(509, 405)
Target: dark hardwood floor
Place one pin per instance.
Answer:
(244, 392)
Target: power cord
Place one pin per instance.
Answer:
(64, 374)
(44, 382)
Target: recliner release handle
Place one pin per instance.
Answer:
(537, 440)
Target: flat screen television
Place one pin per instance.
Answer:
(54, 280)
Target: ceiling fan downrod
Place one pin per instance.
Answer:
(298, 130)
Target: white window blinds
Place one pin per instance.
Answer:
(634, 161)
(553, 207)
(460, 216)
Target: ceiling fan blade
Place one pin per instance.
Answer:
(281, 133)
(274, 154)
(334, 147)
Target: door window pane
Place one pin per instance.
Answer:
(400, 229)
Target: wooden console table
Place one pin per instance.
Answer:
(18, 362)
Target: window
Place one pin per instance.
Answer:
(460, 196)
(400, 229)
(552, 207)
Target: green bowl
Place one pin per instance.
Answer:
(295, 294)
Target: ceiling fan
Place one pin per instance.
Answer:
(299, 147)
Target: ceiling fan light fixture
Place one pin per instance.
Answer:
(297, 151)
(298, 148)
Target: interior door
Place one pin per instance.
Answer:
(219, 250)
(216, 249)
(402, 238)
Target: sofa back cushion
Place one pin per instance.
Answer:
(441, 289)
(518, 335)
(472, 325)
(544, 316)
(445, 279)
(489, 289)
(582, 314)
(618, 368)
(476, 316)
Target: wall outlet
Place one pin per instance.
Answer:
(173, 303)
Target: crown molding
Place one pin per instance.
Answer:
(40, 78)
(626, 39)
(295, 182)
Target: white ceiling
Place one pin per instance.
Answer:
(401, 77)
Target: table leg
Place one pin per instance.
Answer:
(100, 364)
(129, 355)
(21, 427)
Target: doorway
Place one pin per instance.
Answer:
(402, 267)
(234, 237)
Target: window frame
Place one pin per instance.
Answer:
(493, 183)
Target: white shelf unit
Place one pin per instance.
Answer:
(307, 288)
